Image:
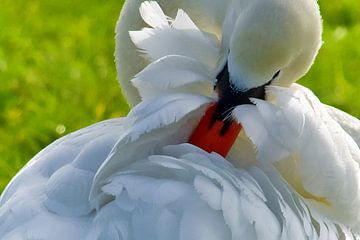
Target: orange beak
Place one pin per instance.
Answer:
(208, 135)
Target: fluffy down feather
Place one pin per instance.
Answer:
(182, 37)
(172, 74)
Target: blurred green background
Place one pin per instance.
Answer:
(57, 71)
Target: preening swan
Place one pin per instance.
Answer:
(221, 142)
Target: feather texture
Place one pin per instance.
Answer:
(182, 38)
(172, 74)
(168, 119)
(161, 192)
(153, 15)
(208, 16)
(136, 178)
(349, 123)
(299, 126)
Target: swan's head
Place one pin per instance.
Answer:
(269, 43)
(257, 43)
(273, 42)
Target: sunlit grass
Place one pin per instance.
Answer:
(57, 71)
(57, 74)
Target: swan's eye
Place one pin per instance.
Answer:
(276, 75)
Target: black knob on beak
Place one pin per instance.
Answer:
(229, 98)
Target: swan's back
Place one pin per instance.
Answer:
(173, 192)
(53, 188)
(136, 178)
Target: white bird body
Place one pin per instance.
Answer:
(179, 191)
(293, 172)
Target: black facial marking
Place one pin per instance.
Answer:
(230, 98)
(276, 74)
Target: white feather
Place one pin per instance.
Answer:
(136, 178)
(153, 15)
(67, 192)
(349, 123)
(209, 192)
(320, 155)
(49, 188)
(183, 38)
(183, 22)
(173, 74)
(267, 146)
(170, 119)
(208, 16)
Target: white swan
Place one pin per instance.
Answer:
(294, 171)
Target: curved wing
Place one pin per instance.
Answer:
(49, 198)
(53, 188)
(175, 192)
(309, 148)
(181, 192)
(169, 119)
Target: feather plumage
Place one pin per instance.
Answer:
(349, 123)
(136, 178)
(153, 15)
(172, 74)
(304, 131)
(182, 38)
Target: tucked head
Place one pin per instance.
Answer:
(273, 40)
(237, 47)
(259, 42)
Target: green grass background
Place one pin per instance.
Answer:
(57, 70)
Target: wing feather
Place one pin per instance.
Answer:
(174, 74)
(318, 155)
(350, 124)
(208, 15)
(153, 15)
(168, 119)
(158, 43)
